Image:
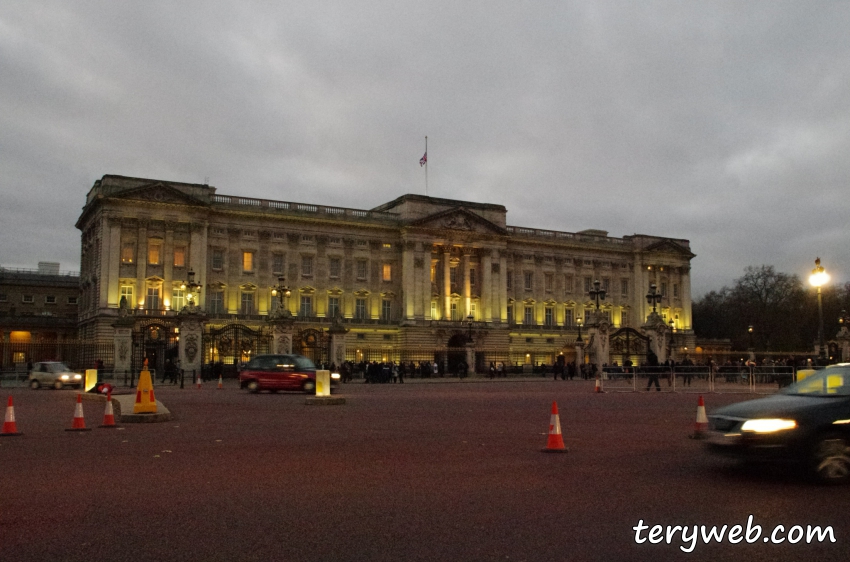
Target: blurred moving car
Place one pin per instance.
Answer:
(807, 422)
(53, 374)
(281, 372)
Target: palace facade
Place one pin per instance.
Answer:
(410, 276)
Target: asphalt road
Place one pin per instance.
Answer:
(431, 472)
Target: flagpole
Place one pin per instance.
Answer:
(426, 165)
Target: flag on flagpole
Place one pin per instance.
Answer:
(423, 160)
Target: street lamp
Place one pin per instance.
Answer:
(190, 287)
(750, 334)
(843, 319)
(653, 297)
(819, 278)
(281, 291)
(597, 294)
(670, 347)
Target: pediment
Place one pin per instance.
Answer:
(459, 219)
(159, 192)
(668, 247)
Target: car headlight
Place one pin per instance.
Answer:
(768, 425)
(64, 377)
(78, 376)
(334, 375)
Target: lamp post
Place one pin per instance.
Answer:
(191, 288)
(672, 345)
(597, 293)
(578, 323)
(653, 297)
(819, 278)
(282, 292)
(750, 335)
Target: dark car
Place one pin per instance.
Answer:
(807, 422)
(280, 372)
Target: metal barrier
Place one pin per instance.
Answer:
(698, 379)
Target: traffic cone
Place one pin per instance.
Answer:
(79, 423)
(108, 414)
(199, 381)
(9, 426)
(220, 386)
(555, 444)
(598, 388)
(701, 425)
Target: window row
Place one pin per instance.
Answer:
(155, 253)
(307, 263)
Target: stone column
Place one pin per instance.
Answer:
(470, 356)
(447, 284)
(141, 263)
(198, 259)
(686, 298)
(408, 279)
(282, 329)
(191, 321)
(503, 287)
(110, 271)
(486, 286)
(466, 264)
(579, 353)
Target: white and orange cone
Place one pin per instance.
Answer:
(598, 388)
(108, 413)
(701, 426)
(555, 443)
(79, 423)
(220, 385)
(10, 427)
(199, 381)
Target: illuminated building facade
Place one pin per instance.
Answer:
(406, 277)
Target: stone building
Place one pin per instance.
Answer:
(38, 312)
(411, 279)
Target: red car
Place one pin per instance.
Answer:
(281, 372)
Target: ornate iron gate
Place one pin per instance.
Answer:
(313, 344)
(155, 341)
(231, 345)
(628, 344)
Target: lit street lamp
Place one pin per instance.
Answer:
(578, 323)
(282, 292)
(190, 287)
(819, 278)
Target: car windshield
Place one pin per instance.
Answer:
(57, 368)
(832, 381)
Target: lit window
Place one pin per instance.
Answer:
(178, 299)
(455, 312)
(247, 261)
(154, 253)
(152, 300)
(387, 272)
(179, 257)
(127, 294)
(387, 246)
(127, 252)
(434, 315)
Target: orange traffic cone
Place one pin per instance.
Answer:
(9, 426)
(555, 444)
(701, 425)
(79, 423)
(108, 413)
(199, 381)
(598, 388)
(220, 386)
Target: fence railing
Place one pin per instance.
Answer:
(699, 378)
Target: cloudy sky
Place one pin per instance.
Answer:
(725, 123)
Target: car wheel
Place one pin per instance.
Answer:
(309, 386)
(253, 387)
(35, 385)
(831, 459)
(57, 385)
